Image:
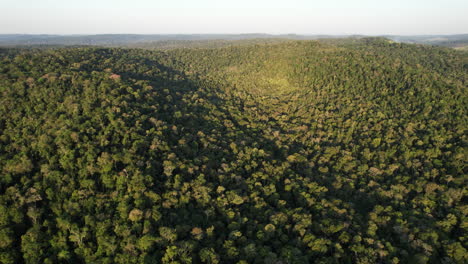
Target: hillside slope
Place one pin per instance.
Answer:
(293, 152)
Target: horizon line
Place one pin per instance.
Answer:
(232, 34)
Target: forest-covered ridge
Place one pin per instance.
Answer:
(337, 151)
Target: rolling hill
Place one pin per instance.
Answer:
(292, 151)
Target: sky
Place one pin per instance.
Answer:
(334, 17)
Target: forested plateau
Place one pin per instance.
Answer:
(340, 151)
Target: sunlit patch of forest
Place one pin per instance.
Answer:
(340, 151)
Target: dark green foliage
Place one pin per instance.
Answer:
(295, 152)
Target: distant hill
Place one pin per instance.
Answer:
(168, 41)
(135, 39)
(121, 39)
(454, 41)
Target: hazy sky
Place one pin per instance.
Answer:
(370, 17)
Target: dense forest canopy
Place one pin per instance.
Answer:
(349, 151)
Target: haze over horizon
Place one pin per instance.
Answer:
(335, 17)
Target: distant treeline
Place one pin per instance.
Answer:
(200, 40)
